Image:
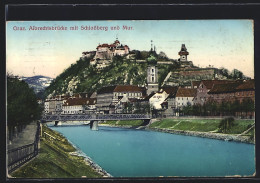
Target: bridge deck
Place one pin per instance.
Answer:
(95, 117)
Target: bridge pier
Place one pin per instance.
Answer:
(146, 122)
(93, 125)
(57, 123)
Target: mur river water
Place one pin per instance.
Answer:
(140, 153)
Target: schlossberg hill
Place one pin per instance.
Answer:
(94, 71)
(84, 77)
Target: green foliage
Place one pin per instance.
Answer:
(205, 125)
(226, 124)
(225, 108)
(120, 71)
(22, 106)
(54, 161)
(125, 123)
(142, 108)
(234, 74)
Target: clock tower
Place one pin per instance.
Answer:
(183, 53)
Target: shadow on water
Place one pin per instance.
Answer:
(111, 129)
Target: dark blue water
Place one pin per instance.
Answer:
(139, 153)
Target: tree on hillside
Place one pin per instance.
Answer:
(22, 106)
(236, 74)
(162, 55)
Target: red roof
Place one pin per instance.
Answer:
(80, 101)
(210, 83)
(224, 88)
(247, 85)
(196, 83)
(186, 92)
(170, 89)
(111, 45)
(120, 88)
(128, 88)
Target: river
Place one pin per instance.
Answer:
(140, 153)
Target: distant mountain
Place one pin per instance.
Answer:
(38, 83)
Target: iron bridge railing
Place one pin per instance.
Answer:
(86, 117)
(18, 156)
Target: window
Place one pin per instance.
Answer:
(152, 79)
(152, 70)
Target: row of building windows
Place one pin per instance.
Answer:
(72, 112)
(129, 94)
(178, 98)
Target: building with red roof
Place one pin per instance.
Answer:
(185, 96)
(108, 97)
(238, 90)
(205, 86)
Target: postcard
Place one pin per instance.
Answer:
(130, 98)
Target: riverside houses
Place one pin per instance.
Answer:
(54, 105)
(184, 97)
(204, 86)
(169, 103)
(108, 97)
(238, 90)
(79, 106)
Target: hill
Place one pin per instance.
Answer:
(83, 77)
(38, 83)
(123, 70)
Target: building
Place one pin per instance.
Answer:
(183, 53)
(105, 52)
(246, 90)
(54, 105)
(152, 79)
(169, 103)
(79, 106)
(108, 97)
(231, 92)
(184, 57)
(157, 99)
(204, 87)
(104, 99)
(184, 97)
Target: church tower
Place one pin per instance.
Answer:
(183, 53)
(152, 79)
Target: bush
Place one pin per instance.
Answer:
(226, 124)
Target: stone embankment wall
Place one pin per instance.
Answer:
(226, 137)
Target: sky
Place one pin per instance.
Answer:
(219, 43)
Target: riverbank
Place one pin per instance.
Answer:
(206, 128)
(59, 159)
(219, 136)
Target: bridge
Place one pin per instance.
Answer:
(94, 118)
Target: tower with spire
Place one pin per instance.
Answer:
(152, 79)
(183, 53)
